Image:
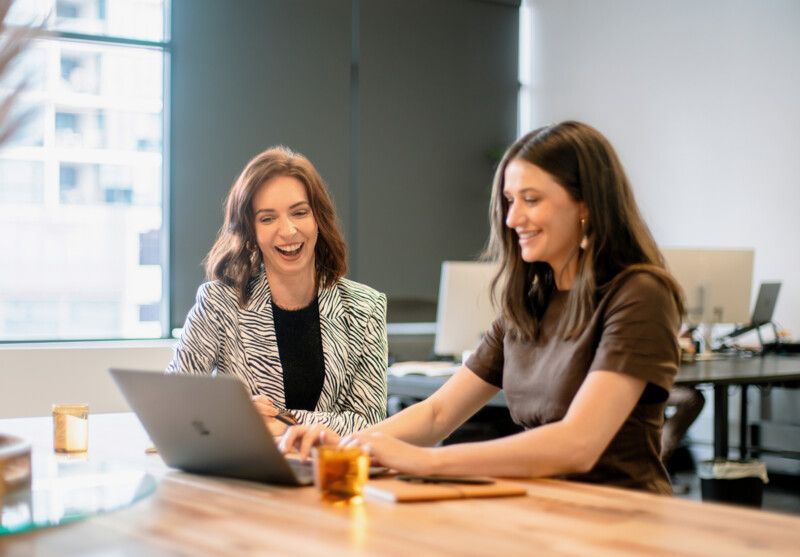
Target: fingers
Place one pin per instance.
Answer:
(264, 406)
(290, 438)
(314, 436)
(303, 437)
(363, 441)
(350, 441)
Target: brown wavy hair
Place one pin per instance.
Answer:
(584, 163)
(235, 258)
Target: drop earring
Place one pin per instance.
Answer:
(585, 240)
(534, 286)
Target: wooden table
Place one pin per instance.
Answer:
(194, 515)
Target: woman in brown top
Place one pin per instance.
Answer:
(585, 347)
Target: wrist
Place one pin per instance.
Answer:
(276, 428)
(433, 462)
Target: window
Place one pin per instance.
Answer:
(81, 182)
(525, 116)
(150, 248)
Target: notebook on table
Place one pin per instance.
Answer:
(400, 491)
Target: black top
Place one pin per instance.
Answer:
(300, 348)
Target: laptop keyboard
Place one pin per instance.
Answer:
(303, 470)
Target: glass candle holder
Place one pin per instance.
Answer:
(340, 473)
(70, 428)
(15, 465)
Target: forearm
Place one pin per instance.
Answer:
(430, 421)
(343, 422)
(571, 445)
(416, 424)
(549, 450)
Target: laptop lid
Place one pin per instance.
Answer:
(765, 303)
(206, 425)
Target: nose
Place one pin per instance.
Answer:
(514, 216)
(287, 227)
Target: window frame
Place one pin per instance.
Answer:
(165, 46)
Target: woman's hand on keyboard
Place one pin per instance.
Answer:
(303, 437)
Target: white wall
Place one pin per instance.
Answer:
(35, 376)
(701, 98)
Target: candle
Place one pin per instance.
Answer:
(70, 428)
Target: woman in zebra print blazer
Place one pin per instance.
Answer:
(277, 312)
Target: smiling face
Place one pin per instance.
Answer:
(285, 228)
(545, 219)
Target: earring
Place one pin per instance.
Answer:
(585, 240)
(534, 286)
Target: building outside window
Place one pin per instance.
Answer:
(81, 183)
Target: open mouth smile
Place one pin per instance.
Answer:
(290, 250)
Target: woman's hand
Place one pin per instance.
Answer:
(267, 410)
(264, 406)
(303, 437)
(391, 452)
(384, 449)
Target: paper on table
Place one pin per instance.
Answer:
(431, 369)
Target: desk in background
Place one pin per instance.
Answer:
(765, 370)
(203, 516)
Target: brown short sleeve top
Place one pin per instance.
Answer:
(633, 330)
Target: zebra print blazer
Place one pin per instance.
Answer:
(221, 337)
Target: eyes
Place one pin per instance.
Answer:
(296, 214)
(529, 200)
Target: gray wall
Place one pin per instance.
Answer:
(401, 137)
(438, 93)
(248, 74)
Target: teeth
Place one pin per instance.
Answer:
(289, 248)
(526, 235)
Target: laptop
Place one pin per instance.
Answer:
(208, 425)
(763, 310)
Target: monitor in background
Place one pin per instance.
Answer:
(716, 283)
(763, 310)
(765, 303)
(464, 310)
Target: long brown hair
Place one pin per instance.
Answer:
(584, 163)
(235, 258)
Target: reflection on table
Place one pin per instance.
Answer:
(194, 515)
(69, 487)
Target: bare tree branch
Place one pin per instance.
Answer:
(13, 40)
